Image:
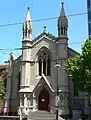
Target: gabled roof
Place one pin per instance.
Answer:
(47, 34)
(42, 35)
(72, 52)
(43, 78)
(18, 59)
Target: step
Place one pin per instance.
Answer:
(41, 115)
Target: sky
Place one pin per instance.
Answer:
(14, 11)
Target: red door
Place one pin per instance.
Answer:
(44, 100)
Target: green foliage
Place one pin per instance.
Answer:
(3, 75)
(79, 67)
(2, 89)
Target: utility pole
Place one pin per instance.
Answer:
(57, 95)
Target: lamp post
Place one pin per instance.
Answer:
(57, 95)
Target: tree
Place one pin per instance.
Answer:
(3, 75)
(2, 89)
(79, 67)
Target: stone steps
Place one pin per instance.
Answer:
(41, 115)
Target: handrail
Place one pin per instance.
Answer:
(6, 116)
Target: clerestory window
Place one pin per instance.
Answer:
(44, 63)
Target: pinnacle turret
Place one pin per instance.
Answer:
(62, 23)
(62, 13)
(27, 26)
(28, 18)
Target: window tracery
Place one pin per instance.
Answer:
(44, 63)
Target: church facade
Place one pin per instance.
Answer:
(37, 83)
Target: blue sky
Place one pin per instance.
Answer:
(14, 11)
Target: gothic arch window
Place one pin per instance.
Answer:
(44, 62)
(48, 66)
(64, 30)
(61, 30)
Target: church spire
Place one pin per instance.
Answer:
(62, 13)
(62, 23)
(27, 26)
(28, 15)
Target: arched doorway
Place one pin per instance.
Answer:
(43, 100)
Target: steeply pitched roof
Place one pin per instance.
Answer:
(50, 36)
(72, 52)
(62, 13)
(28, 18)
(44, 79)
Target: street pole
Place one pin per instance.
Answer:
(57, 95)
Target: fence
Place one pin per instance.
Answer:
(77, 104)
(17, 115)
(6, 115)
(9, 117)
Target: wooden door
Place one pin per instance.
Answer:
(44, 100)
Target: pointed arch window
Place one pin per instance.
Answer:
(40, 66)
(61, 30)
(48, 66)
(44, 63)
(64, 30)
(44, 66)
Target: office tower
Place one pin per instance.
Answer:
(89, 16)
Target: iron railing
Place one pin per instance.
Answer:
(77, 104)
(9, 117)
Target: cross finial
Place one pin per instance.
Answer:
(62, 4)
(44, 28)
(28, 8)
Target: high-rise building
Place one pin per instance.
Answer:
(89, 16)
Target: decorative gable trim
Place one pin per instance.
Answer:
(46, 81)
(43, 37)
(50, 36)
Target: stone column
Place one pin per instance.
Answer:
(34, 102)
(29, 101)
(20, 110)
(25, 100)
(21, 100)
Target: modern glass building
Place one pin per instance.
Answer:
(89, 16)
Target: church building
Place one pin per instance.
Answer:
(37, 83)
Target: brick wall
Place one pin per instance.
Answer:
(1, 106)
